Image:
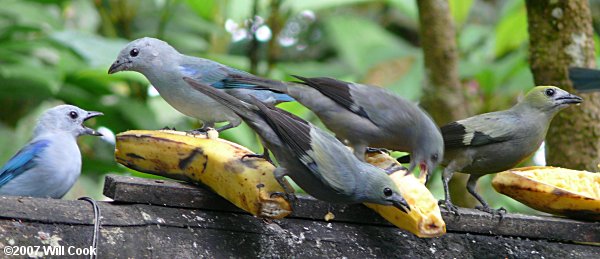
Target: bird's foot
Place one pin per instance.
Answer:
(208, 131)
(290, 197)
(449, 207)
(266, 157)
(500, 211)
(377, 150)
(167, 128)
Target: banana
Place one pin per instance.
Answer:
(424, 219)
(554, 190)
(215, 163)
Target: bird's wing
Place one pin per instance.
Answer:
(386, 109)
(480, 130)
(296, 134)
(22, 161)
(229, 79)
(336, 90)
(214, 74)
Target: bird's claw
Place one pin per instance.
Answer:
(168, 128)
(500, 211)
(288, 196)
(262, 156)
(199, 131)
(449, 207)
(377, 150)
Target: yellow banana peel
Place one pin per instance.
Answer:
(554, 190)
(424, 219)
(215, 163)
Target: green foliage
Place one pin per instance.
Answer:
(55, 52)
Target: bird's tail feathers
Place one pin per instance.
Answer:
(585, 79)
(242, 109)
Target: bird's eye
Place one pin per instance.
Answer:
(434, 157)
(73, 115)
(550, 92)
(134, 52)
(387, 192)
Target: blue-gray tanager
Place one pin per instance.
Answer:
(319, 163)
(165, 67)
(368, 116)
(50, 163)
(497, 141)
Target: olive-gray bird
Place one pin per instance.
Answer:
(497, 141)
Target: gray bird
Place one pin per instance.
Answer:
(367, 116)
(319, 163)
(164, 67)
(497, 141)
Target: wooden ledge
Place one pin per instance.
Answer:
(177, 194)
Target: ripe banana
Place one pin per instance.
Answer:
(424, 219)
(215, 163)
(554, 190)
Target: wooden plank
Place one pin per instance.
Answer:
(175, 194)
(142, 230)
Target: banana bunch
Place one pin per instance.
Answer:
(554, 190)
(215, 163)
(424, 219)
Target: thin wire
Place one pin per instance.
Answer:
(96, 233)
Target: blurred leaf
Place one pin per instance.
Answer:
(138, 113)
(316, 5)
(30, 14)
(96, 50)
(408, 8)
(362, 43)
(460, 11)
(206, 9)
(25, 80)
(511, 31)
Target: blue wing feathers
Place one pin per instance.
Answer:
(22, 161)
(218, 77)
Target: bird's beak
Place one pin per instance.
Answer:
(90, 131)
(116, 67)
(427, 170)
(400, 203)
(569, 99)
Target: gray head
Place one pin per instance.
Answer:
(141, 54)
(66, 118)
(428, 150)
(379, 188)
